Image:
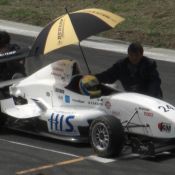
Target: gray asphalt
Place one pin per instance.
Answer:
(19, 151)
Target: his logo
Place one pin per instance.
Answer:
(60, 122)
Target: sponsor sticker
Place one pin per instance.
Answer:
(148, 114)
(55, 73)
(8, 53)
(60, 31)
(67, 98)
(48, 94)
(164, 127)
(60, 97)
(60, 122)
(95, 103)
(78, 101)
(61, 91)
(108, 105)
(58, 69)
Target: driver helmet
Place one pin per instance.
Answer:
(89, 85)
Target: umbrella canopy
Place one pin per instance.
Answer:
(73, 28)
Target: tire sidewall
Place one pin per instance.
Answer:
(116, 136)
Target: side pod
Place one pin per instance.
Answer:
(25, 111)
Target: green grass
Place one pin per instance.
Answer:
(150, 21)
(4, 2)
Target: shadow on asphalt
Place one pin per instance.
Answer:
(127, 155)
(7, 131)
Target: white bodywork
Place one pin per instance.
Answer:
(65, 110)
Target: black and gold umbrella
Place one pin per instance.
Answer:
(72, 28)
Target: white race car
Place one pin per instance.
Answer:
(48, 103)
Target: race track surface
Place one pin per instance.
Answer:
(28, 154)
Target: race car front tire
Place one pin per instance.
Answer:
(106, 136)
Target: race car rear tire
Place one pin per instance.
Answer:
(107, 136)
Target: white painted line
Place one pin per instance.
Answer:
(121, 48)
(154, 53)
(107, 160)
(100, 159)
(20, 28)
(39, 148)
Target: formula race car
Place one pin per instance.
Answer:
(49, 103)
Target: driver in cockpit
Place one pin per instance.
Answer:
(90, 86)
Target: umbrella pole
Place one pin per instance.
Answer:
(81, 49)
(82, 52)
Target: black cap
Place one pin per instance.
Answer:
(135, 47)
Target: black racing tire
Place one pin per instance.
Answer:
(107, 136)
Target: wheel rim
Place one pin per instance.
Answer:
(100, 136)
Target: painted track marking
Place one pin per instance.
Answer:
(100, 159)
(32, 170)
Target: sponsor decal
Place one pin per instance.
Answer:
(143, 109)
(48, 94)
(60, 97)
(60, 31)
(67, 98)
(164, 127)
(58, 69)
(148, 114)
(100, 99)
(58, 74)
(61, 91)
(95, 103)
(166, 108)
(108, 105)
(8, 53)
(78, 101)
(61, 122)
(102, 14)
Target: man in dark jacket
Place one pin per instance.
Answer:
(136, 72)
